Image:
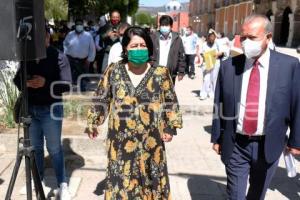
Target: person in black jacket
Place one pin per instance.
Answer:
(168, 48)
(109, 35)
(46, 110)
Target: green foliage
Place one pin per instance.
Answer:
(153, 21)
(75, 108)
(143, 18)
(56, 9)
(80, 8)
(8, 97)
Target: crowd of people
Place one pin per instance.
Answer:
(136, 92)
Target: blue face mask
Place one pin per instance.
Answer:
(165, 30)
(79, 28)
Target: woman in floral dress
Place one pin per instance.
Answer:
(143, 114)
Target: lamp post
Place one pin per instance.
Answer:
(197, 20)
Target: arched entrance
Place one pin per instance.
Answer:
(285, 26)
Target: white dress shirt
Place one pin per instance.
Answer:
(115, 53)
(80, 45)
(190, 43)
(164, 48)
(264, 62)
(97, 43)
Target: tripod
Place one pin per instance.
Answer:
(26, 150)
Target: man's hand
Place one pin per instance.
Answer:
(92, 133)
(217, 148)
(294, 151)
(37, 81)
(180, 77)
(167, 137)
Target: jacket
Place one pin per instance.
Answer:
(176, 58)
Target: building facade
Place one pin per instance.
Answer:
(228, 15)
(179, 15)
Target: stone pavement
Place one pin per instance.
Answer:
(196, 172)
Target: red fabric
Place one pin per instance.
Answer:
(252, 101)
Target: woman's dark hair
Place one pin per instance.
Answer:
(165, 20)
(138, 31)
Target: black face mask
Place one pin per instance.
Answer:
(210, 43)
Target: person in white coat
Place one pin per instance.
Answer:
(210, 75)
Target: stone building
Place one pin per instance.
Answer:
(179, 14)
(228, 15)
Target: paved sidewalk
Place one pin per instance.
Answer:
(196, 172)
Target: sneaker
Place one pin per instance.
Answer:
(63, 192)
(192, 76)
(211, 95)
(203, 97)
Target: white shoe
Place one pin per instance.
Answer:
(203, 97)
(211, 95)
(63, 192)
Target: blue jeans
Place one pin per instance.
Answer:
(44, 125)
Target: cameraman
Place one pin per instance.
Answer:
(46, 110)
(109, 35)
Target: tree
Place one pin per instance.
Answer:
(80, 8)
(143, 18)
(56, 9)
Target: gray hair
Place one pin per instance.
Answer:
(268, 25)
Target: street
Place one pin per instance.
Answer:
(196, 172)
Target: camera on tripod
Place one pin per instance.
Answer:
(20, 32)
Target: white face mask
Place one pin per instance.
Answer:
(79, 28)
(252, 48)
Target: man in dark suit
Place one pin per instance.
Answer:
(257, 98)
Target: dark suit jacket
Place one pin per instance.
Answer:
(282, 105)
(176, 58)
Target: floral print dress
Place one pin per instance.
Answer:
(138, 116)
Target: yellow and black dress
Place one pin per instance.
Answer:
(138, 116)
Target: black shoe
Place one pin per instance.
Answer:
(192, 76)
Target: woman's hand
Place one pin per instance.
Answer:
(92, 133)
(167, 137)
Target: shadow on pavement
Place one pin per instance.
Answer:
(100, 188)
(1, 181)
(208, 129)
(73, 161)
(197, 92)
(203, 186)
(288, 187)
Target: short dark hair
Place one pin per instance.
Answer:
(190, 27)
(165, 20)
(138, 31)
(78, 20)
(210, 34)
(115, 10)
